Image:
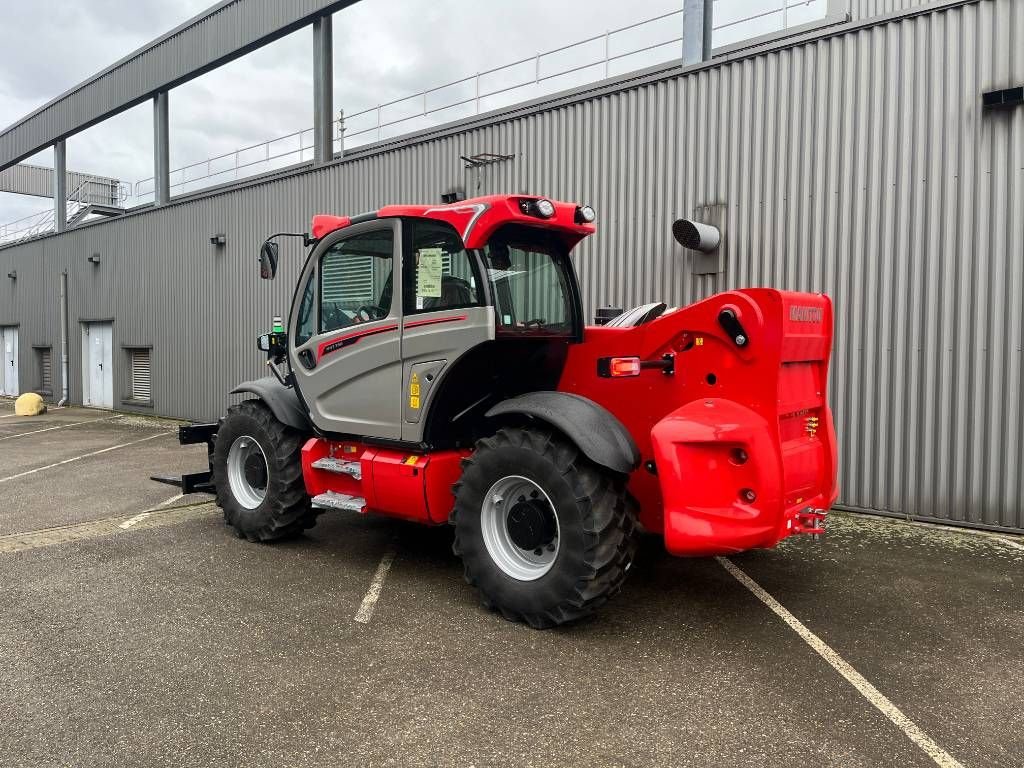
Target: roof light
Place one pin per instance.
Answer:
(585, 215)
(545, 208)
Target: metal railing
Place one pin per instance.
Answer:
(78, 200)
(488, 89)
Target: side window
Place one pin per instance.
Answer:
(439, 273)
(304, 325)
(356, 280)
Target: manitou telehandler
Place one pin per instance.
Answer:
(435, 367)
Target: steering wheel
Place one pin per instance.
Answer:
(537, 322)
(371, 312)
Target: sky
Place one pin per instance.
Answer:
(383, 50)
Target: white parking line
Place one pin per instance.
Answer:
(79, 458)
(365, 612)
(59, 426)
(133, 520)
(840, 665)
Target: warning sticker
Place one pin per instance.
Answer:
(414, 391)
(428, 273)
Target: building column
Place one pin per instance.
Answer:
(161, 150)
(60, 186)
(698, 18)
(323, 91)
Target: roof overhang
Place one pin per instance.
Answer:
(226, 31)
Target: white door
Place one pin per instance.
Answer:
(97, 368)
(9, 347)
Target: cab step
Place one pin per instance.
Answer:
(339, 467)
(342, 501)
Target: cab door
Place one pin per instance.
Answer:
(345, 332)
(445, 315)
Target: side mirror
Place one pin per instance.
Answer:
(268, 260)
(263, 342)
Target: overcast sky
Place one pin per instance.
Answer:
(384, 49)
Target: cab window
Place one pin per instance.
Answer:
(527, 273)
(439, 272)
(305, 325)
(356, 280)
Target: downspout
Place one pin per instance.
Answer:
(63, 339)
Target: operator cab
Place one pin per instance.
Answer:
(408, 324)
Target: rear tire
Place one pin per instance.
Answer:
(557, 570)
(257, 470)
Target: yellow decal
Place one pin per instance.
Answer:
(414, 401)
(699, 341)
(411, 460)
(414, 387)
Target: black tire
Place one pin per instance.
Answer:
(596, 521)
(285, 510)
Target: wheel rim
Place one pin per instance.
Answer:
(247, 472)
(520, 528)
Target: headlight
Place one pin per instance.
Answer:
(585, 215)
(544, 208)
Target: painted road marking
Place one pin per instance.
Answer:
(365, 612)
(15, 415)
(134, 520)
(59, 426)
(79, 458)
(840, 665)
(49, 537)
(1011, 543)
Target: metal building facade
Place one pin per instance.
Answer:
(856, 161)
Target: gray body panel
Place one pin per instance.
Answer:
(283, 401)
(432, 349)
(596, 431)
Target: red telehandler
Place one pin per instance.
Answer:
(435, 367)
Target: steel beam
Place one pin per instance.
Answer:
(323, 91)
(161, 150)
(698, 20)
(60, 186)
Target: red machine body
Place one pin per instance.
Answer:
(738, 448)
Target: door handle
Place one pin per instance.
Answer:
(306, 358)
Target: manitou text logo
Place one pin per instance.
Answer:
(805, 314)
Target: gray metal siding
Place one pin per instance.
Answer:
(858, 163)
(218, 35)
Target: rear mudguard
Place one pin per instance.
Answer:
(710, 455)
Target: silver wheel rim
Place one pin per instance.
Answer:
(242, 451)
(499, 502)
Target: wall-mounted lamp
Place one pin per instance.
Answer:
(94, 259)
(1007, 98)
(218, 240)
(453, 195)
(13, 274)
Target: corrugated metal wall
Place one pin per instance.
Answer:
(859, 164)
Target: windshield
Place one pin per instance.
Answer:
(526, 270)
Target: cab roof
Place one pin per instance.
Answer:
(478, 218)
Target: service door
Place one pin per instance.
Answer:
(9, 348)
(97, 367)
(345, 342)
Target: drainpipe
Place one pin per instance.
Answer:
(63, 339)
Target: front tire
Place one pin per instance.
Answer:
(257, 470)
(545, 535)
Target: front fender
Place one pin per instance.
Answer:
(282, 401)
(596, 431)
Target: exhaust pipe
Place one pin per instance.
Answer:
(63, 339)
(697, 236)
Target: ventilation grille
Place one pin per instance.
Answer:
(141, 387)
(45, 370)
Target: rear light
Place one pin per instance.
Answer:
(618, 367)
